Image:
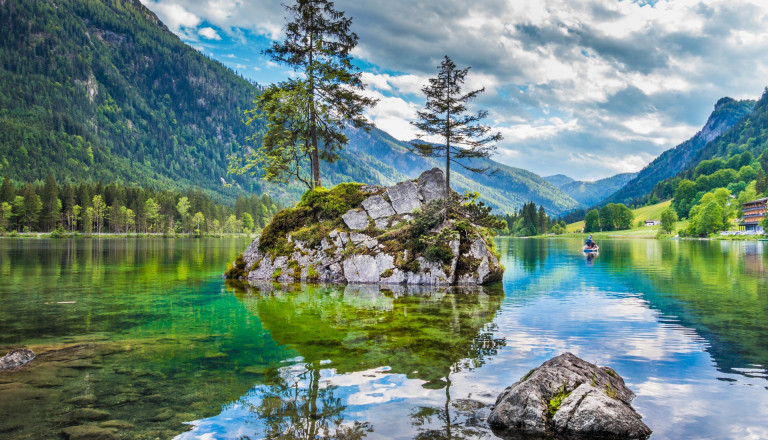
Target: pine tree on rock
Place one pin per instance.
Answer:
(317, 45)
(445, 116)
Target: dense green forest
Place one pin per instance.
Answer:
(101, 90)
(530, 221)
(97, 208)
(611, 217)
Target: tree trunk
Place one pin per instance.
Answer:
(315, 157)
(448, 150)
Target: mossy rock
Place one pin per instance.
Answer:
(89, 432)
(89, 414)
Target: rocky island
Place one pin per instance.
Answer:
(365, 234)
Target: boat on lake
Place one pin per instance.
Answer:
(591, 249)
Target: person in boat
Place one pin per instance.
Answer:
(590, 243)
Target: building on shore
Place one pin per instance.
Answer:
(754, 213)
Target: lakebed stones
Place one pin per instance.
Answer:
(89, 432)
(568, 397)
(16, 358)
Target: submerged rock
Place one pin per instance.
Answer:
(373, 235)
(568, 397)
(89, 432)
(16, 358)
(89, 414)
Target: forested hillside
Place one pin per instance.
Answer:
(727, 112)
(101, 90)
(719, 177)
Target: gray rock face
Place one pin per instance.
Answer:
(432, 185)
(346, 255)
(16, 358)
(404, 197)
(594, 402)
(377, 207)
(355, 219)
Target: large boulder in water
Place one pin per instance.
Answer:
(568, 397)
(366, 234)
(16, 358)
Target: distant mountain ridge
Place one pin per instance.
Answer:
(727, 113)
(559, 179)
(102, 90)
(589, 193)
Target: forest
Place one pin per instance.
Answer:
(91, 90)
(97, 208)
(530, 221)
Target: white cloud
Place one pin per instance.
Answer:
(209, 33)
(176, 16)
(620, 81)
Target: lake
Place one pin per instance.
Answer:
(142, 337)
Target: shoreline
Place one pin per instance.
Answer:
(646, 236)
(48, 235)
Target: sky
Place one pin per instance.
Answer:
(586, 88)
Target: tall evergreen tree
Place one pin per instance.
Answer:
(318, 42)
(7, 191)
(49, 215)
(445, 116)
(32, 206)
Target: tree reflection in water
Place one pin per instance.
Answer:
(296, 404)
(424, 334)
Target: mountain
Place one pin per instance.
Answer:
(749, 134)
(589, 193)
(726, 114)
(559, 180)
(101, 90)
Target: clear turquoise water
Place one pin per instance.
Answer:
(142, 337)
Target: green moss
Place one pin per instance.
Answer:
(467, 264)
(294, 265)
(609, 391)
(554, 403)
(438, 252)
(312, 274)
(387, 273)
(317, 214)
(256, 264)
(332, 203)
(236, 271)
(528, 374)
(276, 274)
